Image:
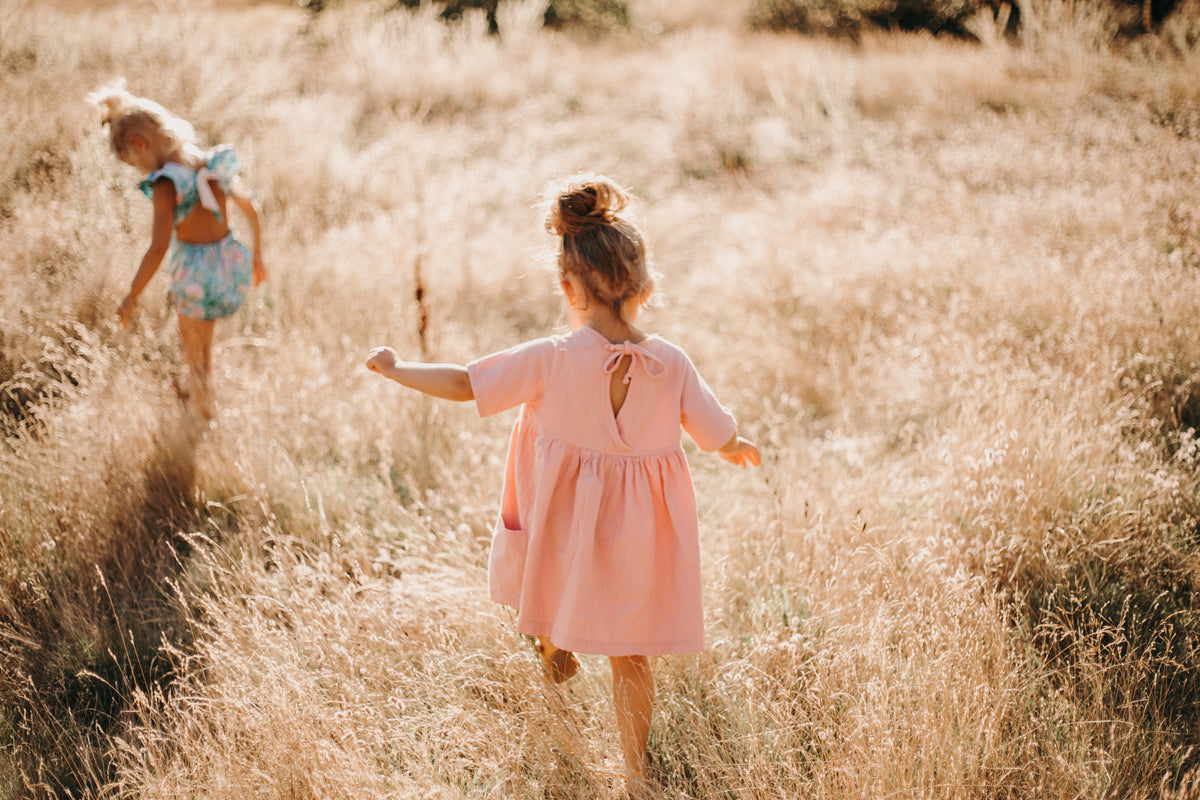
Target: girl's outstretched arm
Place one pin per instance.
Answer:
(243, 198)
(160, 241)
(742, 452)
(447, 381)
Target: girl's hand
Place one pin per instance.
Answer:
(741, 452)
(260, 271)
(381, 360)
(126, 309)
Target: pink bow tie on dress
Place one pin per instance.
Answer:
(651, 364)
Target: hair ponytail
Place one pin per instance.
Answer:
(111, 100)
(124, 113)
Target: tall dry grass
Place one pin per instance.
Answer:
(951, 290)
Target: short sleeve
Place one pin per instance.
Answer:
(223, 164)
(179, 175)
(512, 377)
(703, 417)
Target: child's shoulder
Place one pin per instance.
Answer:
(222, 159)
(665, 348)
(540, 348)
(176, 173)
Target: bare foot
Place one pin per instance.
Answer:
(558, 665)
(200, 400)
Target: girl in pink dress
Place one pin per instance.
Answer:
(597, 545)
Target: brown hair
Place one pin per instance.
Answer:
(125, 114)
(606, 251)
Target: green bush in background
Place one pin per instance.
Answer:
(592, 14)
(598, 15)
(848, 18)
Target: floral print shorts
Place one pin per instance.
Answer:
(210, 281)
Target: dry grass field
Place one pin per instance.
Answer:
(952, 290)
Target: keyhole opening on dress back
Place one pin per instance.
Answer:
(618, 389)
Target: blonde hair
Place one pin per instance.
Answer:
(606, 250)
(126, 114)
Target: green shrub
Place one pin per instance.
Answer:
(850, 17)
(590, 14)
(831, 17)
(931, 15)
(1175, 21)
(454, 9)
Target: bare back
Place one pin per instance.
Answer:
(201, 226)
(618, 389)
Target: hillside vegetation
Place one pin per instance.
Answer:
(952, 289)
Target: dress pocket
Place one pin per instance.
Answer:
(506, 565)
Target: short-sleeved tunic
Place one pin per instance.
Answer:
(597, 545)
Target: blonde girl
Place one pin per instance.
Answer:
(211, 272)
(597, 544)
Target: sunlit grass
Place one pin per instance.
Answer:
(951, 290)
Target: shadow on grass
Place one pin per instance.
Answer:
(76, 644)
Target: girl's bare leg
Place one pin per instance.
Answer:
(197, 336)
(633, 696)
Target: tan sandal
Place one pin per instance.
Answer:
(558, 665)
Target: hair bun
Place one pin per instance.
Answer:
(585, 203)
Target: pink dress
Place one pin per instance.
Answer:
(598, 545)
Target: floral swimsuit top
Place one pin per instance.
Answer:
(191, 187)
